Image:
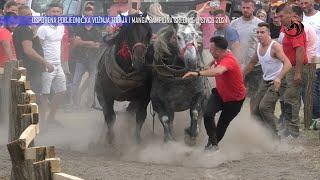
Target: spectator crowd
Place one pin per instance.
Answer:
(57, 57)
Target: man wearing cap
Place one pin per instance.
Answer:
(85, 47)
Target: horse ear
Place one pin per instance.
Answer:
(174, 24)
(144, 14)
(192, 14)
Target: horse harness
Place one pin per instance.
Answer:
(167, 71)
(122, 80)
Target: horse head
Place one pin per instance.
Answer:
(187, 38)
(133, 41)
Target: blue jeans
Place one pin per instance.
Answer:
(80, 69)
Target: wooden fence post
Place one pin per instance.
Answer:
(17, 88)
(308, 106)
(2, 103)
(8, 75)
(44, 169)
(28, 163)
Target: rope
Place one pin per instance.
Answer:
(153, 114)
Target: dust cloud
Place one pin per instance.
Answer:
(86, 132)
(3, 132)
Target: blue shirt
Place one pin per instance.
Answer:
(230, 34)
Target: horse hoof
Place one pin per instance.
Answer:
(110, 138)
(137, 140)
(188, 132)
(168, 139)
(190, 140)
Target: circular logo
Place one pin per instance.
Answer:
(295, 29)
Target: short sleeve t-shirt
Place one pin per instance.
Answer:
(51, 37)
(5, 35)
(311, 37)
(248, 39)
(24, 33)
(314, 21)
(290, 44)
(85, 54)
(230, 85)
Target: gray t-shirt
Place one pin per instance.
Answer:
(248, 39)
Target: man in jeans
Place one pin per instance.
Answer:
(275, 64)
(294, 45)
(86, 45)
(229, 94)
(50, 36)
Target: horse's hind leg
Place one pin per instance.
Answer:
(141, 115)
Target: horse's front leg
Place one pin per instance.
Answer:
(167, 123)
(191, 133)
(141, 114)
(108, 111)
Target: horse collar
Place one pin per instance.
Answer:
(124, 51)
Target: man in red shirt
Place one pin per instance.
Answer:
(229, 94)
(7, 50)
(294, 46)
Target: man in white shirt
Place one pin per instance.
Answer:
(50, 37)
(311, 17)
(246, 27)
(275, 65)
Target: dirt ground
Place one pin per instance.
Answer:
(246, 152)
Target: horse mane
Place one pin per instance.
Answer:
(161, 45)
(122, 36)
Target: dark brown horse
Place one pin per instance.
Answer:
(123, 75)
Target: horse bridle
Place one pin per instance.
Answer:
(138, 44)
(190, 44)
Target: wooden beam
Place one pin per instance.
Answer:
(54, 164)
(63, 176)
(28, 108)
(26, 121)
(28, 85)
(13, 112)
(16, 150)
(20, 168)
(35, 118)
(44, 169)
(23, 79)
(34, 108)
(22, 71)
(39, 153)
(30, 133)
(28, 97)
